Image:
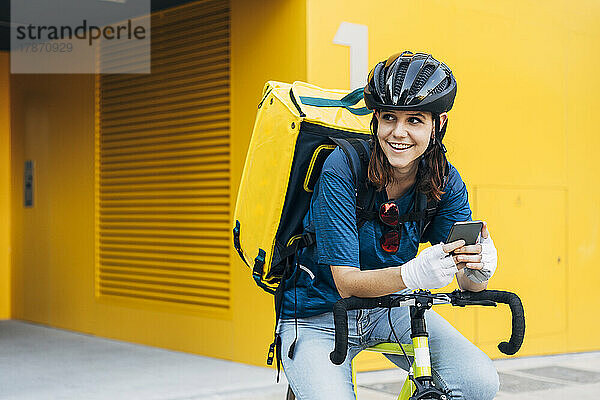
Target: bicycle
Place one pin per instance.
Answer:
(419, 383)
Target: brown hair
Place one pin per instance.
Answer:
(432, 165)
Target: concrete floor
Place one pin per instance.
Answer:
(39, 363)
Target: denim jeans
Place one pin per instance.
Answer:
(457, 364)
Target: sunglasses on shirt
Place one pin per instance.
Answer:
(389, 216)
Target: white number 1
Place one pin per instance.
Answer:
(356, 36)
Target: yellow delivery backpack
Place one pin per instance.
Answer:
(297, 126)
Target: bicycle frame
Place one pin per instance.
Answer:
(408, 388)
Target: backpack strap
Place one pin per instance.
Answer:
(349, 100)
(352, 155)
(426, 210)
(236, 242)
(430, 207)
(358, 152)
(259, 261)
(301, 241)
(274, 352)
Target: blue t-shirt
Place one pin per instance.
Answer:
(332, 217)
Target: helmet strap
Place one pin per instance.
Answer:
(374, 124)
(439, 133)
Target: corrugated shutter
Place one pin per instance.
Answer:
(162, 170)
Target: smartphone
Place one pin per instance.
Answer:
(467, 231)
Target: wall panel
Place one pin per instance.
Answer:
(163, 167)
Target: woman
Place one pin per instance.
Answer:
(410, 95)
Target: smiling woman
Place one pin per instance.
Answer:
(410, 95)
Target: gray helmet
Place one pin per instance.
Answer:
(408, 81)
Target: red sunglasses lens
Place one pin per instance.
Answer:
(388, 213)
(390, 241)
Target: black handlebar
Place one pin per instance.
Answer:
(457, 298)
(518, 316)
(340, 319)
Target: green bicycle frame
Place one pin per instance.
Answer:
(421, 365)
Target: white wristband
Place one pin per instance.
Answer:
(489, 258)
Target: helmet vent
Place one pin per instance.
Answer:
(400, 78)
(440, 87)
(422, 79)
(381, 82)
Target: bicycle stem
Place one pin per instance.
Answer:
(419, 336)
(422, 379)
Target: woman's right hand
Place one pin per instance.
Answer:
(433, 268)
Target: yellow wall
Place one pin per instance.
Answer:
(522, 135)
(53, 124)
(4, 186)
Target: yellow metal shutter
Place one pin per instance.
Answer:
(162, 167)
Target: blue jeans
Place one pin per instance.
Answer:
(457, 364)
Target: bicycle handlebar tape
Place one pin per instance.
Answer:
(518, 317)
(340, 319)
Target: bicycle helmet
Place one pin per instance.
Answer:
(408, 81)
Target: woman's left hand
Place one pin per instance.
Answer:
(480, 260)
